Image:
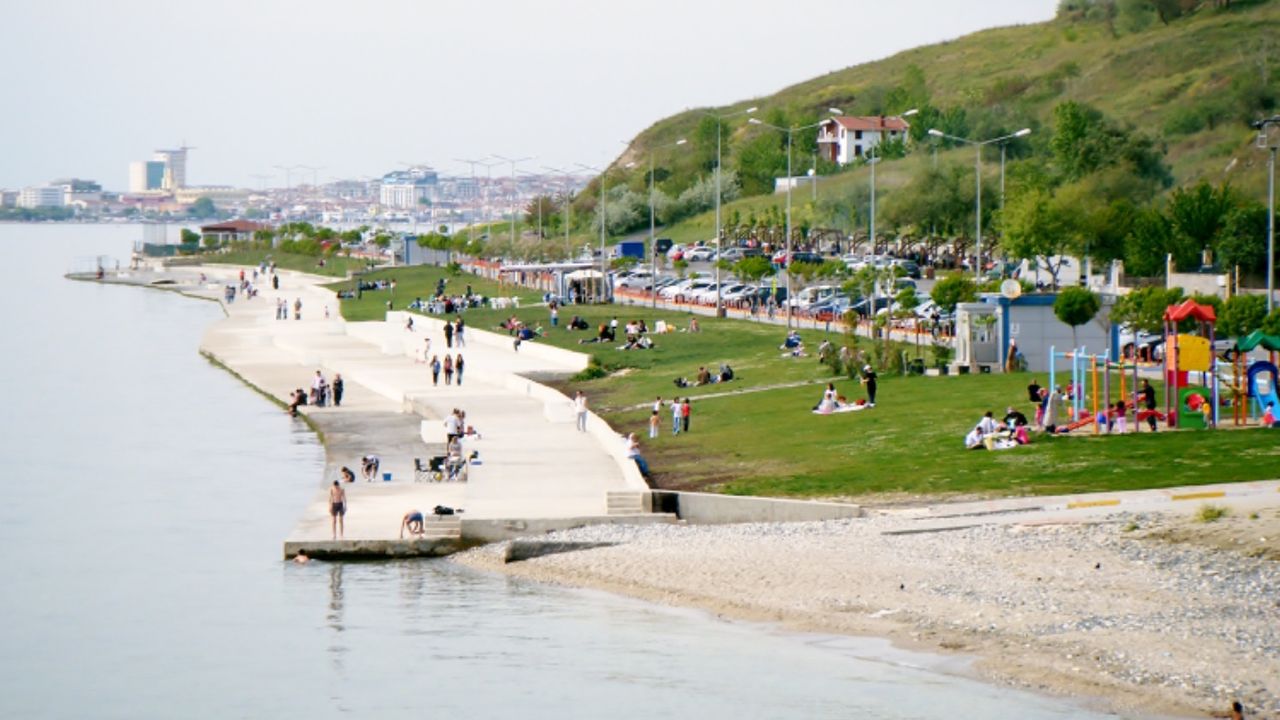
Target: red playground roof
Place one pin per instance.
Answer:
(1190, 309)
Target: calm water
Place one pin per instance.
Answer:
(147, 495)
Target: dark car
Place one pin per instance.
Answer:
(807, 257)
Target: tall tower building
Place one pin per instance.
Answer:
(175, 167)
(146, 175)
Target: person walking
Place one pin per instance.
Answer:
(686, 408)
(275, 281)
(448, 369)
(654, 422)
(555, 316)
(869, 380)
(297, 308)
(338, 387)
(435, 370)
(458, 338)
(580, 408)
(457, 367)
(337, 509)
(448, 334)
(677, 414)
(1148, 394)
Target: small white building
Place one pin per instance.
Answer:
(844, 139)
(42, 196)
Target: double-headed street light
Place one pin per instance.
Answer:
(603, 214)
(790, 131)
(514, 187)
(568, 200)
(719, 231)
(978, 145)
(1264, 127)
(653, 239)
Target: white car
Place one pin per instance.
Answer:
(737, 291)
(700, 254)
(669, 292)
(638, 279)
(706, 295)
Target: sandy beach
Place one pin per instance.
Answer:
(1151, 613)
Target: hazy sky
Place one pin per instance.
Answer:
(361, 87)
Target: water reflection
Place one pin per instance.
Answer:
(336, 620)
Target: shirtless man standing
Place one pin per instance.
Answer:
(337, 509)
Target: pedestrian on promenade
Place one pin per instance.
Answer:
(686, 408)
(580, 408)
(426, 351)
(448, 334)
(337, 509)
(435, 370)
(337, 389)
(369, 465)
(448, 369)
(457, 366)
(275, 281)
(453, 426)
(677, 415)
(458, 338)
(297, 308)
(412, 521)
(317, 386)
(654, 422)
(408, 323)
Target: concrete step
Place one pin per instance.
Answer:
(625, 502)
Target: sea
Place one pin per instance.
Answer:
(147, 496)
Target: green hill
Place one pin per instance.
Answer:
(1192, 85)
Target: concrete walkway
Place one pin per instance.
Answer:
(535, 468)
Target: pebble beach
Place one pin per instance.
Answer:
(1146, 614)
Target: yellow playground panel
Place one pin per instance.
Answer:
(1193, 353)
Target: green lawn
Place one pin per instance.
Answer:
(762, 439)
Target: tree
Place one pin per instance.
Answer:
(1242, 314)
(1271, 324)
(1243, 240)
(202, 208)
(953, 290)
(190, 236)
(1076, 306)
(1199, 216)
(753, 268)
(757, 162)
(1037, 228)
(1150, 238)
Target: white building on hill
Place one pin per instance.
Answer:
(846, 138)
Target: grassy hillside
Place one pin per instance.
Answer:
(1189, 84)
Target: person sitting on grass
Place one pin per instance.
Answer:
(633, 452)
(704, 376)
(791, 342)
(413, 522)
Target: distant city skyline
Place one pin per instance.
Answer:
(355, 91)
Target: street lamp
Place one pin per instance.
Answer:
(653, 239)
(719, 230)
(978, 144)
(603, 213)
(514, 162)
(568, 203)
(1264, 127)
(790, 131)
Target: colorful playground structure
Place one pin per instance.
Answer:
(1253, 386)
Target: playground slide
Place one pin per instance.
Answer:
(1262, 385)
(1085, 419)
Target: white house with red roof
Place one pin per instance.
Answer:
(846, 138)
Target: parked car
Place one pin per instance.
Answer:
(737, 292)
(700, 254)
(676, 252)
(807, 257)
(732, 254)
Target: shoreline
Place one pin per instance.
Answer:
(1110, 617)
(742, 585)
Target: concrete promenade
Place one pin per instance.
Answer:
(535, 471)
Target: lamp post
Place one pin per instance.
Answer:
(1264, 127)
(790, 131)
(603, 213)
(978, 145)
(653, 238)
(514, 162)
(568, 200)
(719, 231)
(872, 159)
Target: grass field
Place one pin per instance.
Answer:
(757, 435)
